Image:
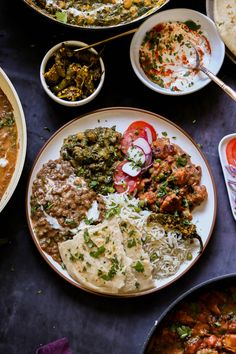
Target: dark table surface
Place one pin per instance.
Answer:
(36, 305)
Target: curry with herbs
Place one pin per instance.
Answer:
(173, 181)
(97, 13)
(8, 143)
(205, 324)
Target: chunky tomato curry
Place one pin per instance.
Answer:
(202, 325)
(8, 143)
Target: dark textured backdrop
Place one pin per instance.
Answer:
(36, 305)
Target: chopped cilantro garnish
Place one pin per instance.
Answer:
(181, 161)
(48, 206)
(153, 257)
(137, 285)
(61, 16)
(86, 236)
(131, 242)
(96, 254)
(113, 211)
(87, 239)
(184, 331)
(93, 184)
(192, 25)
(139, 267)
(162, 190)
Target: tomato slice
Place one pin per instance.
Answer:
(138, 129)
(142, 125)
(231, 152)
(124, 182)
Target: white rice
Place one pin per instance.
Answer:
(167, 250)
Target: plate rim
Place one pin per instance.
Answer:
(76, 283)
(22, 147)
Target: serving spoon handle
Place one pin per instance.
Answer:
(219, 82)
(106, 40)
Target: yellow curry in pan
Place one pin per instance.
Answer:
(8, 143)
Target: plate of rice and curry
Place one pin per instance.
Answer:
(12, 139)
(121, 202)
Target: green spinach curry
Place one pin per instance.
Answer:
(94, 154)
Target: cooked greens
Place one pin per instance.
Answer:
(93, 154)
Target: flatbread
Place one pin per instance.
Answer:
(107, 260)
(139, 274)
(225, 19)
(104, 272)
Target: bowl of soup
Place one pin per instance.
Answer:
(12, 139)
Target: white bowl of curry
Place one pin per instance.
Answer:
(12, 139)
(72, 78)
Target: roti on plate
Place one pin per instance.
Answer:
(225, 19)
(100, 258)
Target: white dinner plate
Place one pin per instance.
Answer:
(203, 216)
(210, 13)
(229, 172)
(9, 90)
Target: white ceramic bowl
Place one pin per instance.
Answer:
(61, 101)
(9, 90)
(182, 15)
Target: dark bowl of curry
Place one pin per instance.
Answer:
(200, 321)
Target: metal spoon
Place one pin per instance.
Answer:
(106, 40)
(212, 76)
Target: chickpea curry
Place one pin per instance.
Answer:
(8, 143)
(203, 325)
(97, 13)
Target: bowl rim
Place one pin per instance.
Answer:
(48, 55)
(184, 295)
(146, 26)
(12, 95)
